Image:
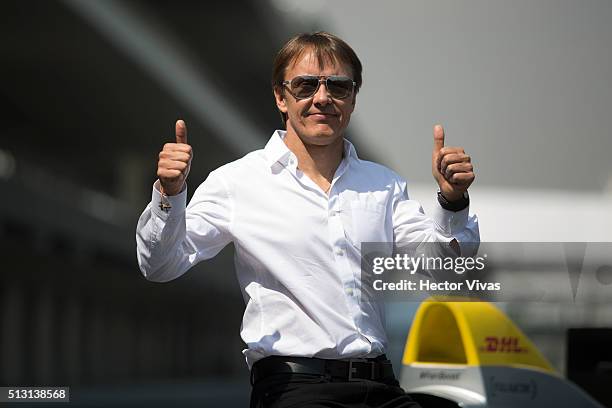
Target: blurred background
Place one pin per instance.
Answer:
(91, 90)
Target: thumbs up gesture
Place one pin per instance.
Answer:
(451, 167)
(174, 162)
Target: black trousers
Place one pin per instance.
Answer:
(317, 391)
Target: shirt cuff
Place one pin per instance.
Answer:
(168, 206)
(450, 223)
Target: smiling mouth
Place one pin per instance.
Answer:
(322, 115)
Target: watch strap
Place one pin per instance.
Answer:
(455, 206)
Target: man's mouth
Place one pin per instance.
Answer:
(321, 115)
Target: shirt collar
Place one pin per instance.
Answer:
(277, 151)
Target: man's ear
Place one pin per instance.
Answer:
(281, 102)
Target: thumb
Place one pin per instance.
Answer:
(181, 131)
(438, 134)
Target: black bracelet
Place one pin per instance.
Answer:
(455, 206)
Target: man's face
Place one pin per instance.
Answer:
(318, 120)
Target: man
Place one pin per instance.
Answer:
(297, 212)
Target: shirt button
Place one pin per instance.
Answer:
(339, 251)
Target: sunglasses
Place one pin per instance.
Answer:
(305, 86)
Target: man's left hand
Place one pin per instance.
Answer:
(451, 167)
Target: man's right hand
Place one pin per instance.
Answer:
(174, 162)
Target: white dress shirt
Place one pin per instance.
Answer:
(297, 248)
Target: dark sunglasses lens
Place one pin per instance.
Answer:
(340, 87)
(304, 87)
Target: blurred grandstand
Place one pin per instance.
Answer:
(90, 91)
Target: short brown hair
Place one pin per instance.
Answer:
(328, 49)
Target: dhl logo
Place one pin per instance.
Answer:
(494, 344)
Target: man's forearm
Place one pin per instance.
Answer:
(160, 239)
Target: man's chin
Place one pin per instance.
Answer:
(325, 131)
(319, 135)
(322, 137)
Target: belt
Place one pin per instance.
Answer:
(355, 369)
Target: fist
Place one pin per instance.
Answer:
(451, 167)
(174, 162)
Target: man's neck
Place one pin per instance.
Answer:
(317, 162)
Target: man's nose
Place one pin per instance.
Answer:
(322, 96)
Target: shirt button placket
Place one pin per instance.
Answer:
(337, 240)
